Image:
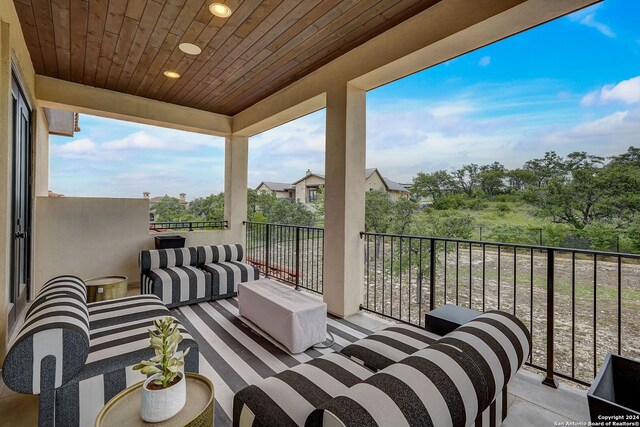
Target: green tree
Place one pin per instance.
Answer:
(434, 185)
(491, 178)
(467, 178)
(210, 208)
(589, 190)
(546, 168)
(169, 209)
(519, 179)
(402, 215)
(284, 211)
(259, 204)
(378, 211)
(318, 203)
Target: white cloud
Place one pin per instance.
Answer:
(590, 99)
(610, 134)
(590, 21)
(484, 61)
(627, 92)
(587, 17)
(149, 141)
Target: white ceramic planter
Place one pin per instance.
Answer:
(160, 405)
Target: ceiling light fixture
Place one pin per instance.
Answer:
(190, 48)
(171, 74)
(220, 10)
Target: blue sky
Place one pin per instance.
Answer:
(572, 84)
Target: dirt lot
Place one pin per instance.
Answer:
(524, 293)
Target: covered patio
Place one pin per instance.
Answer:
(265, 65)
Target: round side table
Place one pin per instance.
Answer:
(124, 408)
(107, 287)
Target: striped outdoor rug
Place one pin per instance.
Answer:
(233, 355)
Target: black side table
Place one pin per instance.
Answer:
(447, 318)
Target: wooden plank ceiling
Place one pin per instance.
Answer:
(126, 45)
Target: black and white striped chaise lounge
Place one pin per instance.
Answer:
(227, 269)
(173, 275)
(458, 380)
(392, 344)
(461, 380)
(287, 398)
(77, 356)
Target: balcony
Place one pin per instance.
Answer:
(267, 64)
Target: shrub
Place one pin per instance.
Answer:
(503, 208)
(512, 234)
(449, 201)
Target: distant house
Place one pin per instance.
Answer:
(282, 190)
(153, 201)
(307, 188)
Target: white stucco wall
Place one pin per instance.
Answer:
(90, 237)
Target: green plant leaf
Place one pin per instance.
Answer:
(150, 370)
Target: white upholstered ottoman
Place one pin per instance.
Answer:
(295, 319)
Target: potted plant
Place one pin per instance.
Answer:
(164, 393)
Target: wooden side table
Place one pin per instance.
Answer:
(447, 318)
(106, 288)
(124, 408)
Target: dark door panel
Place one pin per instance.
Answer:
(20, 203)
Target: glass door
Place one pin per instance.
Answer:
(21, 203)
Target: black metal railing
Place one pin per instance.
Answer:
(289, 253)
(578, 304)
(188, 225)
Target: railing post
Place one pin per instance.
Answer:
(297, 256)
(432, 275)
(190, 226)
(549, 380)
(266, 253)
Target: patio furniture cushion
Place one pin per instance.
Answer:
(287, 398)
(163, 258)
(53, 343)
(451, 382)
(437, 386)
(382, 349)
(499, 344)
(226, 276)
(220, 253)
(178, 285)
(113, 312)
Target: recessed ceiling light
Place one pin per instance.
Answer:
(190, 48)
(219, 9)
(171, 74)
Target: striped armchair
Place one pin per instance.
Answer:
(224, 264)
(173, 275)
(457, 380)
(77, 356)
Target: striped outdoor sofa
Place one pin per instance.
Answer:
(224, 264)
(173, 275)
(190, 275)
(77, 356)
(457, 380)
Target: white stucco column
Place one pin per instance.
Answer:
(236, 150)
(344, 200)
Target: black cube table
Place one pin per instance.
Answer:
(447, 318)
